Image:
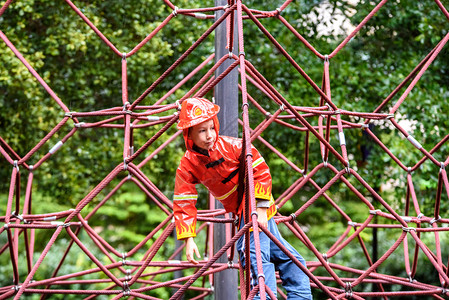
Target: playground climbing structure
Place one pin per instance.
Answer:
(127, 274)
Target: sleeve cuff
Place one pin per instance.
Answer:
(262, 203)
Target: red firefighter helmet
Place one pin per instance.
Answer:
(195, 111)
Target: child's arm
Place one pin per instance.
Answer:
(191, 248)
(262, 217)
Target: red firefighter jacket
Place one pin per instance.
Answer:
(219, 173)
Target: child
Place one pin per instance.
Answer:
(213, 161)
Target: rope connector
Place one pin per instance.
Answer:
(348, 168)
(352, 224)
(175, 11)
(60, 224)
(389, 116)
(282, 107)
(16, 165)
(178, 104)
(420, 216)
(126, 290)
(406, 219)
(254, 213)
(242, 53)
(31, 168)
(230, 264)
(79, 124)
(17, 216)
(125, 105)
(231, 55)
(409, 170)
(374, 211)
(364, 126)
(16, 288)
(236, 221)
(293, 216)
(337, 112)
(434, 220)
(226, 7)
(247, 105)
(261, 275)
(410, 278)
(324, 255)
(442, 166)
(125, 164)
(326, 58)
(278, 11)
(200, 16)
(124, 259)
(69, 114)
(408, 229)
(123, 56)
(128, 275)
(348, 290)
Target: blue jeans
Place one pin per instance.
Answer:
(295, 282)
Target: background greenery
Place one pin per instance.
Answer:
(86, 75)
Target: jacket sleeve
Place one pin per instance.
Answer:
(262, 178)
(184, 201)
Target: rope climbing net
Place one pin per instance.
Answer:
(131, 275)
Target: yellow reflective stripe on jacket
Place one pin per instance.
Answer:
(185, 197)
(258, 162)
(227, 194)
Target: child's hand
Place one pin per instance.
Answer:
(262, 217)
(190, 249)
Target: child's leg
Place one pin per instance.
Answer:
(294, 280)
(268, 267)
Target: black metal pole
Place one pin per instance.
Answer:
(226, 96)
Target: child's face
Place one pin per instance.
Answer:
(203, 135)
